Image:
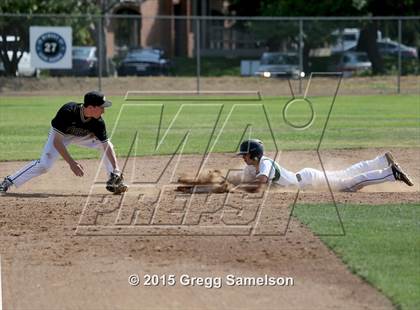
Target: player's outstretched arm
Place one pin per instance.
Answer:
(258, 185)
(74, 166)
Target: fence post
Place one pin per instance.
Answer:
(300, 53)
(198, 53)
(399, 56)
(100, 52)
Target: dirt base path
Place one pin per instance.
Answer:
(46, 265)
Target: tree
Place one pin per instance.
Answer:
(14, 31)
(367, 43)
(368, 34)
(245, 8)
(316, 33)
(285, 34)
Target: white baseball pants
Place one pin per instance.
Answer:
(355, 177)
(50, 155)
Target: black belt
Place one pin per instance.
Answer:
(298, 177)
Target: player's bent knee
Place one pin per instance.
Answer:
(100, 146)
(44, 168)
(110, 145)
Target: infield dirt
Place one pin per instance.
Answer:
(45, 265)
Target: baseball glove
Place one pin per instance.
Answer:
(210, 182)
(115, 184)
(224, 187)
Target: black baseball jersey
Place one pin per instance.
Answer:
(71, 121)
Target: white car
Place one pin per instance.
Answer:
(24, 65)
(346, 39)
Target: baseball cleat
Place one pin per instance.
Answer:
(122, 188)
(117, 189)
(4, 186)
(390, 158)
(116, 184)
(400, 175)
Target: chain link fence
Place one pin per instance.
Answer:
(117, 53)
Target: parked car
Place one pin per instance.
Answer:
(346, 39)
(143, 62)
(350, 63)
(84, 62)
(24, 65)
(276, 64)
(389, 47)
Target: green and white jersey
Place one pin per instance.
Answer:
(275, 173)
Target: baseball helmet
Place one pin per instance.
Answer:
(254, 147)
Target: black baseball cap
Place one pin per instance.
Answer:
(96, 99)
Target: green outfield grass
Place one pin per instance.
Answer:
(355, 122)
(381, 244)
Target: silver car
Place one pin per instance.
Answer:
(276, 64)
(389, 47)
(351, 63)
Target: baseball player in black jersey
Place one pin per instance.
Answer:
(79, 124)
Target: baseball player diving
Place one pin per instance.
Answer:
(261, 170)
(79, 124)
